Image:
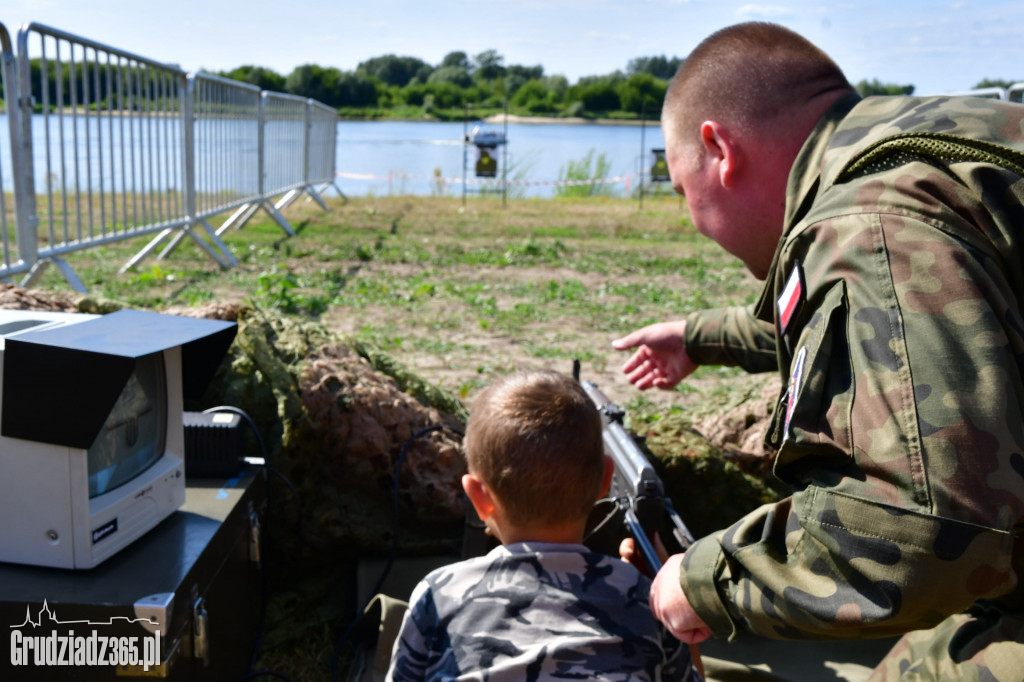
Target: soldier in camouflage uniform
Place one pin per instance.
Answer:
(541, 606)
(893, 307)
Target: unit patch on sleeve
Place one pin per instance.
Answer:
(795, 381)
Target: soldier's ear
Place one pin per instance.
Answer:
(606, 478)
(479, 496)
(721, 150)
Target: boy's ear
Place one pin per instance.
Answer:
(606, 479)
(479, 496)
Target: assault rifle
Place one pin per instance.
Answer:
(637, 492)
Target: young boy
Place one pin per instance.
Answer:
(541, 605)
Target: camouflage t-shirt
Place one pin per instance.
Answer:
(531, 611)
(893, 311)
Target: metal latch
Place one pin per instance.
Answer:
(200, 631)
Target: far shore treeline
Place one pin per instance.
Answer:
(391, 86)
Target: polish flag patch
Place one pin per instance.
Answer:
(791, 299)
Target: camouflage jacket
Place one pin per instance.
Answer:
(893, 310)
(536, 611)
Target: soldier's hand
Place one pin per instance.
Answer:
(660, 360)
(670, 605)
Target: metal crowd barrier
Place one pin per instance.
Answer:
(282, 151)
(221, 158)
(988, 93)
(297, 142)
(321, 141)
(1013, 93)
(12, 212)
(106, 130)
(106, 145)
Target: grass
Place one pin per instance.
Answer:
(460, 292)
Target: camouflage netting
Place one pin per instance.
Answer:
(337, 416)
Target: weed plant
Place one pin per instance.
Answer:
(585, 170)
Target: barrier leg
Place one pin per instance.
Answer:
(146, 250)
(241, 216)
(278, 218)
(215, 238)
(316, 197)
(206, 247)
(286, 201)
(69, 275)
(171, 245)
(336, 189)
(226, 258)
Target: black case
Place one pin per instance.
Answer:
(198, 573)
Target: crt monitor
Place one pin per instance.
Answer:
(91, 433)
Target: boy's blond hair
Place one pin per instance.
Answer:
(535, 439)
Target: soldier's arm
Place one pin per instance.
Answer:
(731, 336)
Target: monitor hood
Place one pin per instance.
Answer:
(60, 383)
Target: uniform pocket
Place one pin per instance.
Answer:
(813, 414)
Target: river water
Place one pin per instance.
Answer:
(395, 157)
(372, 157)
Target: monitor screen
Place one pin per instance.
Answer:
(134, 434)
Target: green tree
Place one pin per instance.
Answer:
(595, 94)
(874, 87)
(534, 97)
(394, 70)
(261, 77)
(659, 67)
(488, 65)
(642, 92)
(332, 86)
(516, 75)
(356, 90)
(457, 59)
(446, 95)
(454, 75)
(557, 85)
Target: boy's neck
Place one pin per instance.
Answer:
(566, 534)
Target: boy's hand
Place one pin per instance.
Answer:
(629, 553)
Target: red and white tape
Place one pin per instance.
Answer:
(398, 175)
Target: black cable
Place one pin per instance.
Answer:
(394, 543)
(299, 530)
(265, 550)
(241, 413)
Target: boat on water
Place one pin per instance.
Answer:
(485, 137)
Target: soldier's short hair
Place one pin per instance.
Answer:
(534, 437)
(749, 76)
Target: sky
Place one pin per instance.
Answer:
(939, 46)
